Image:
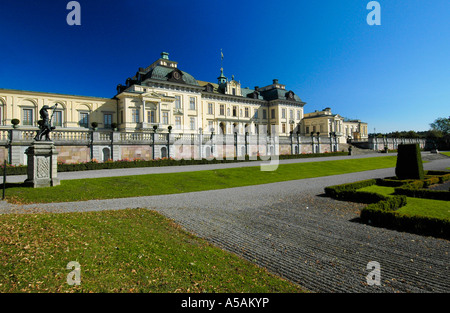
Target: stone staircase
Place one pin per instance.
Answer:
(355, 150)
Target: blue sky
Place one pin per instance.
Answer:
(395, 76)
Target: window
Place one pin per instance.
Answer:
(222, 109)
(121, 117)
(256, 114)
(298, 114)
(27, 117)
(234, 110)
(291, 114)
(165, 118)
(107, 120)
(192, 123)
(210, 126)
(57, 118)
(151, 117)
(192, 103)
(177, 102)
(178, 122)
(283, 113)
(264, 114)
(307, 129)
(272, 113)
(135, 115)
(210, 108)
(84, 119)
(106, 154)
(246, 112)
(234, 91)
(283, 128)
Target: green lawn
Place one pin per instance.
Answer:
(120, 251)
(446, 153)
(157, 184)
(416, 206)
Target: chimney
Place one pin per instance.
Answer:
(256, 88)
(275, 81)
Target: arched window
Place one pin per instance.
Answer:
(163, 152)
(58, 114)
(208, 151)
(106, 154)
(222, 128)
(29, 111)
(2, 112)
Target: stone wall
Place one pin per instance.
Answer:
(143, 152)
(73, 154)
(76, 146)
(378, 144)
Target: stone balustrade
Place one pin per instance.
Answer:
(76, 145)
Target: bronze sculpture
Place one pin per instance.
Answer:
(45, 123)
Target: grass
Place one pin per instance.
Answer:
(445, 153)
(416, 206)
(158, 184)
(120, 251)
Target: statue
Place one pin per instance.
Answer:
(45, 123)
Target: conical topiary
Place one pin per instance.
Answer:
(409, 162)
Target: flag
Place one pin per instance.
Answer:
(221, 53)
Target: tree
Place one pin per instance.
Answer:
(441, 124)
(434, 134)
(412, 134)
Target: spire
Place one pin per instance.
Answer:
(222, 79)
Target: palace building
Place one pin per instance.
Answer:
(162, 97)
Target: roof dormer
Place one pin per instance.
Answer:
(233, 88)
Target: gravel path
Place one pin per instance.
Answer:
(293, 231)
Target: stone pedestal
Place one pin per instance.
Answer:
(42, 165)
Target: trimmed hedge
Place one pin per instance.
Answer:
(14, 170)
(423, 193)
(387, 205)
(391, 182)
(360, 196)
(444, 178)
(311, 155)
(383, 214)
(340, 191)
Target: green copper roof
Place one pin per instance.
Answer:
(162, 73)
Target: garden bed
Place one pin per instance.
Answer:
(404, 205)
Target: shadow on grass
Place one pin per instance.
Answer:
(12, 185)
